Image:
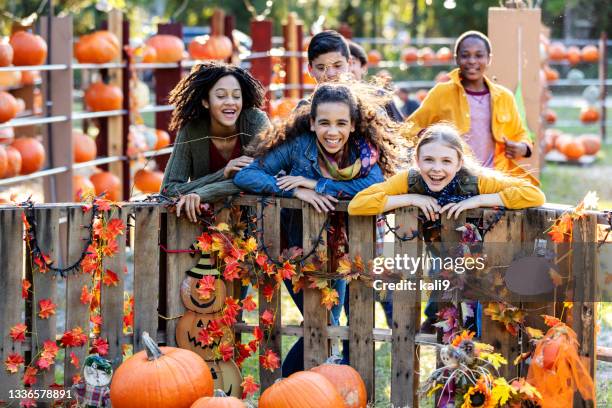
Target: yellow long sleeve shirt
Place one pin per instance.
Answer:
(516, 193)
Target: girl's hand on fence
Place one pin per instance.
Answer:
(321, 203)
(291, 182)
(458, 208)
(191, 204)
(427, 204)
(515, 150)
(235, 165)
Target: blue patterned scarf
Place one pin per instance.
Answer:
(449, 194)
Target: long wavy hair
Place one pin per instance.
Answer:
(366, 106)
(188, 94)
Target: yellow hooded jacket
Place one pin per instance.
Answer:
(447, 101)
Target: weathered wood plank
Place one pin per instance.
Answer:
(180, 234)
(146, 273)
(361, 302)
(270, 225)
(315, 315)
(11, 271)
(44, 287)
(77, 313)
(501, 245)
(111, 297)
(406, 320)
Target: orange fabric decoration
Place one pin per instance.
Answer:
(557, 371)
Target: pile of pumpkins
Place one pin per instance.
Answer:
(572, 147)
(160, 377)
(20, 156)
(413, 55)
(558, 52)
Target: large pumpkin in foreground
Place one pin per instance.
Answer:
(348, 383)
(304, 389)
(160, 378)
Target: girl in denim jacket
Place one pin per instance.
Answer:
(333, 148)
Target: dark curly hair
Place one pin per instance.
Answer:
(366, 105)
(188, 94)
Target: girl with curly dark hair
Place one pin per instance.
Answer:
(216, 113)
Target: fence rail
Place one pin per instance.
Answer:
(155, 278)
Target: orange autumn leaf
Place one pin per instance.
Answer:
(46, 308)
(269, 360)
(249, 304)
(29, 377)
(17, 332)
(204, 242)
(267, 318)
(249, 386)
(13, 362)
(206, 287)
(344, 266)
(74, 360)
(110, 278)
(550, 321)
(85, 295)
(329, 297)
(115, 227)
(25, 286)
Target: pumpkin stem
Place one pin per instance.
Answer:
(151, 347)
(220, 393)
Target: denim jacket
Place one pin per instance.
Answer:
(299, 157)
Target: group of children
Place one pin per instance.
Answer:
(348, 140)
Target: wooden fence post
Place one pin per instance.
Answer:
(261, 68)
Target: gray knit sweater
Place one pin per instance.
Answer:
(188, 168)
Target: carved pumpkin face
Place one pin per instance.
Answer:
(191, 297)
(187, 330)
(226, 376)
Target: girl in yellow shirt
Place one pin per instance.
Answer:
(445, 180)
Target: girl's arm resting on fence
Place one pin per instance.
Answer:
(259, 176)
(349, 188)
(374, 199)
(516, 193)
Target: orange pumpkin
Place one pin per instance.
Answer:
(82, 187)
(444, 54)
(550, 138)
(169, 48)
(304, 389)
(148, 181)
(426, 54)
(13, 157)
(557, 51)
(163, 139)
(30, 77)
(220, 400)
(307, 79)
(421, 94)
(284, 108)
(105, 182)
(573, 149)
(83, 146)
(216, 47)
(551, 74)
(410, 55)
(149, 54)
(3, 162)
(9, 79)
(550, 116)
(28, 49)
(573, 55)
(589, 114)
(374, 57)
(160, 377)
(348, 383)
(32, 154)
(8, 107)
(591, 143)
(6, 54)
(97, 48)
(590, 53)
(102, 97)
(561, 141)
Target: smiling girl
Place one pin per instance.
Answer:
(484, 112)
(333, 148)
(217, 115)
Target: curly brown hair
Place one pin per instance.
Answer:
(366, 105)
(188, 94)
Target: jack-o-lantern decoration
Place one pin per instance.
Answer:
(192, 299)
(226, 376)
(188, 327)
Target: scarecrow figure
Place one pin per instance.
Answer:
(94, 392)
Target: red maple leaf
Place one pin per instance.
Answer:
(50, 349)
(268, 291)
(215, 328)
(110, 278)
(89, 264)
(100, 346)
(97, 320)
(85, 295)
(29, 377)
(267, 318)
(27, 403)
(249, 386)
(249, 304)
(74, 360)
(261, 259)
(269, 360)
(550, 321)
(43, 262)
(206, 287)
(47, 308)
(103, 204)
(287, 270)
(76, 379)
(18, 332)
(232, 267)
(111, 248)
(26, 224)
(238, 253)
(204, 337)
(44, 363)
(25, 286)
(258, 333)
(204, 242)
(13, 362)
(253, 345)
(115, 227)
(227, 351)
